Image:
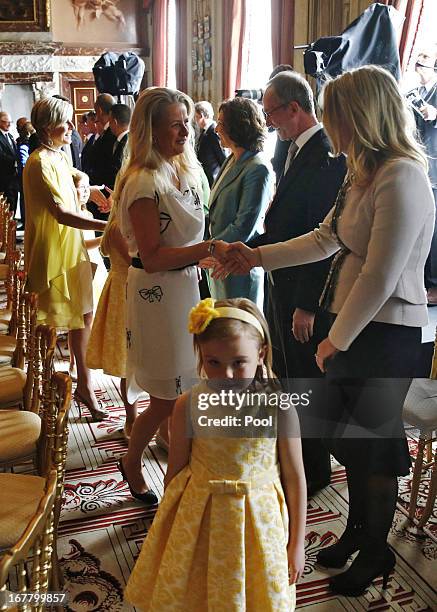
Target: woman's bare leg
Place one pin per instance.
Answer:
(131, 409)
(143, 430)
(164, 430)
(70, 350)
(78, 340)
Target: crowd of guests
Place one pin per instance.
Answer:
(343, 237)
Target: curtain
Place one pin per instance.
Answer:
(234, 17)
(160, 43)
(181, 45)
(282, 31)
(412, 11)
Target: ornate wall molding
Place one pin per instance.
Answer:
(49, 48)
(23, 78)
(47, 63)
(42, 89)
(28, 48)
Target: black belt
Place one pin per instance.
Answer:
(137, 263)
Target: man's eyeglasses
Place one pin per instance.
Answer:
(268, 114)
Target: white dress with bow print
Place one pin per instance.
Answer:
(160, 357)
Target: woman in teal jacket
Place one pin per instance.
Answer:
(241, 192)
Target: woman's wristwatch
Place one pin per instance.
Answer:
(211, 246)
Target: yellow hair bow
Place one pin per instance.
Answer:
(201, 316)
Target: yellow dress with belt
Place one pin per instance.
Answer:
(107, 344)
(218, 541)
(56, 260)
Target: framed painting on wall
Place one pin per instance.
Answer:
(24, 15)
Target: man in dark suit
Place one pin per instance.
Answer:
(209, 150)
(101, 170)
(91, 130)
(281, 147)
(119, 124)
(101, 156)
(305, 193)
(426, 121)
(9, 183)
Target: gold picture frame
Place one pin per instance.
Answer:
(24, 15)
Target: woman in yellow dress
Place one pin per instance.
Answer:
(221, 539)
(107, 349)
(57, 264)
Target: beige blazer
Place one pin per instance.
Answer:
(388, 227)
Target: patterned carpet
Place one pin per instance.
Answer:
(102, 527)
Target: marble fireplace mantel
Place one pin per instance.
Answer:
(46, 63)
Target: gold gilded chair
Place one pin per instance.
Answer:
(24, 433)
(420, 411)
(51, 454)
(30, 540)
(9, 248)
(15, 346)
(9, 314)
(19, 389)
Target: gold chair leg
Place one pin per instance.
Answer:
(431, 494)
(416, 477)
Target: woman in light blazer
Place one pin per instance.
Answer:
(241, 192)
(380, 229)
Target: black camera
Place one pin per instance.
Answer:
(252, 94)
(416, 101)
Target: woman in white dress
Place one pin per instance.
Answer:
(160, 213)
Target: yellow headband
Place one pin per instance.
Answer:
(201, 316)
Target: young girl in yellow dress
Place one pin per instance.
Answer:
(221, 539)
(107, 344)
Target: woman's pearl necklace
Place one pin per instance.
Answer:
(51, 148)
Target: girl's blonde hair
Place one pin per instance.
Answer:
(48, 113)
(142, 151)
(224, 328)
(78, 175)
(366, 104)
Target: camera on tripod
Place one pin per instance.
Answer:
(252, 94)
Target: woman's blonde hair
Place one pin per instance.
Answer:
(366, 104)
(142, 151)
(49, 113)
(224, 328)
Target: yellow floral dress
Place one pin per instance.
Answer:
(57, 263)
(107, 344)
(218, 541)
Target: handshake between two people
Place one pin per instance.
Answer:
(230, 258)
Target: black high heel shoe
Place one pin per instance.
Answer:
(337, 555)
(97, 414)
(149, 497)
(363, 571)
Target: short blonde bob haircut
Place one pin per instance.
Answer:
(366, 107)
(49, 113)
(143, 154)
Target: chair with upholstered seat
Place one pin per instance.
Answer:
(16, 345)
(420, 411)
(51, 452)
(9, 314)
(9, 250)
(19, 389)
(26, 534)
